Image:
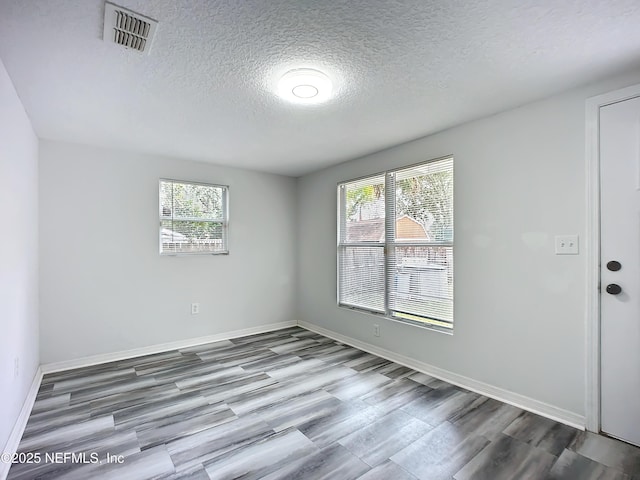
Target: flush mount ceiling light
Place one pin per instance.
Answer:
(305, 85)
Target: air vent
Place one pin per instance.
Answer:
(127, 28)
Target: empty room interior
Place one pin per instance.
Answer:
(376, 240)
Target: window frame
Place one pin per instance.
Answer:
(224, 220)
(366, 244)
(391, 242)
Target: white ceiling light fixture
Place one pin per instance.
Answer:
(305, 85)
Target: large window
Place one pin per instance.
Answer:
(395, 244)
(193, 218)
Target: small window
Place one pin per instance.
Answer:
(395, 244)
(193, 218)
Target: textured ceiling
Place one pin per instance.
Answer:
(403, 69)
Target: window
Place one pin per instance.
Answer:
(193, 218)
(395, 244)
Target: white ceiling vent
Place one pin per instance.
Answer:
(127, 28)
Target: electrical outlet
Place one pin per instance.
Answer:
(16, 367)
(195, 308)
(376, 330)
(566, 244)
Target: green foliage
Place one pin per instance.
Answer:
(187, 205)
(358, 197)
(428, 199)
(196, 201)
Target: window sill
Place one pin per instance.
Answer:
(420, 325)
(193, 254)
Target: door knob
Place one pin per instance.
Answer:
(614, 289)
(614, 266)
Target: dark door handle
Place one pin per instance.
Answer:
(614, 266)
(614, 289)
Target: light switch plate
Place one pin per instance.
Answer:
(567, 245)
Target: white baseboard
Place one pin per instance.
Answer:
(163, 347)
(526, 403)
(18, 428)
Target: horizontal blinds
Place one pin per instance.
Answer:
(362, 279)
(361, 251)
(192, 218)
(395, 249)
(363, 210)
(422, 287)
(424, 202)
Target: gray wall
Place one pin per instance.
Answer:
(519, 309)
(18, 255)
(104, 287)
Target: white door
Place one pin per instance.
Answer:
(620, 282)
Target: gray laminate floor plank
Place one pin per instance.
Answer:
(157, 432)
(422, 378)
(184, 372)
(396, 395)
(280, 392)
(436, 413)
(196, 473)
(299, 410)
(608, 451)
(125, 444)
(265, 456)
(440, 453)
(571, 466)
(235, 390)
(326, 430)
(301, 367)
(215, 442)
(293, 346)
(332, 463)
(51, 402)
(387, 471)
(96, 379)
(56, 420)
(341, 356)
(293, 404)
(68, 433)
(112, 388)
(395, 371)
(203, 347)
(486, 417)
(270, 363)
(347, 389)
(146, 360)
(505, 459)
(185, 363)
(146, 465)
(261, 338)
(378, 441)
(118, 401)
(221, 375)
(541, 432)
(139, 416)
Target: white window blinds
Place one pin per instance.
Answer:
(395, 243)
(193, 218)
(361, 244)
(421, 247)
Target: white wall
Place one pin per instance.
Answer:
(104, 287)
(519, 309)
(18, 255)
